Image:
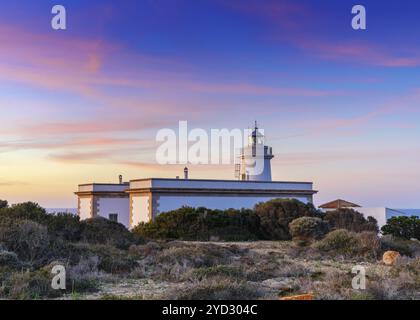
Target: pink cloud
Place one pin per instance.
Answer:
(287, 14)
(366, 53)
(89, 142)
(123, 124)
(81, 157)
(58, 53)
(340, 155)
(85, 67)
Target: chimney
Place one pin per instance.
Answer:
(186, 173)
(120, 179)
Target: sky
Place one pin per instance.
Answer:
(340, 107)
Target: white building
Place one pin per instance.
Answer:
(381, 214)
(142, 200)
(105, 200)
(255, 159)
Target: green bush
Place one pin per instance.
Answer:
(351, 220)
(3, 204)
(10, 260)
(403, 227)
(201, 224)
(350, 244)
(306, 229)
(68, 227)
(26, 211)
(65, 226)
(403, 246)
(99, 230)
(28, 239)
(275, 216)
(269, 221)
(61, 225)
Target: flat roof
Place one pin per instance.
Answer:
(104, 184)
(102, 187)
(198, 185)
(222, 180)
(212, 185)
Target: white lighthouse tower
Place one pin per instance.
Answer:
(254, 159)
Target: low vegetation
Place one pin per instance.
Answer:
(32, 241)
(403, 227)
(203, 254)
(201, 224)
(351, 220)
(350, 244)
(307, 229)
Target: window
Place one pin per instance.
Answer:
(113, 217)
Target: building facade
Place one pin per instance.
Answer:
(150, 197)
(143, 200)
(105, 200)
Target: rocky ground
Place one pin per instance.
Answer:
(254, 270)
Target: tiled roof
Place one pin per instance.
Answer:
(339, 203)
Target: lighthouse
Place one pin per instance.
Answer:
(254, 159)
(142, 200)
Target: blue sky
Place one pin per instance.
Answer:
(340, 107)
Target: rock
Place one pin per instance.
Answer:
(278, 283)
(390, 257)
(307, 296)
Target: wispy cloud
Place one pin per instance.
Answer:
(296, 24)
(344, 155)
(11, 183)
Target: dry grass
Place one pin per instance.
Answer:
(256, 270)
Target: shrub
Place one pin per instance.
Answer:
(219, 270)
(61, 225)
(403, 227)
(306, 229)
(275, 216)
(65, 226)
(26, 211)
(175, 259)
(142, 251)
(99, 230)
(350, 244)
(369, 244)
(219, 288)
(194, 256)
(29, 285)
(83, 277)
(110, 259)
(28, 239)
(3, 204)
(351, 220)
(403, 246)
(201, 224)
(10, 260)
